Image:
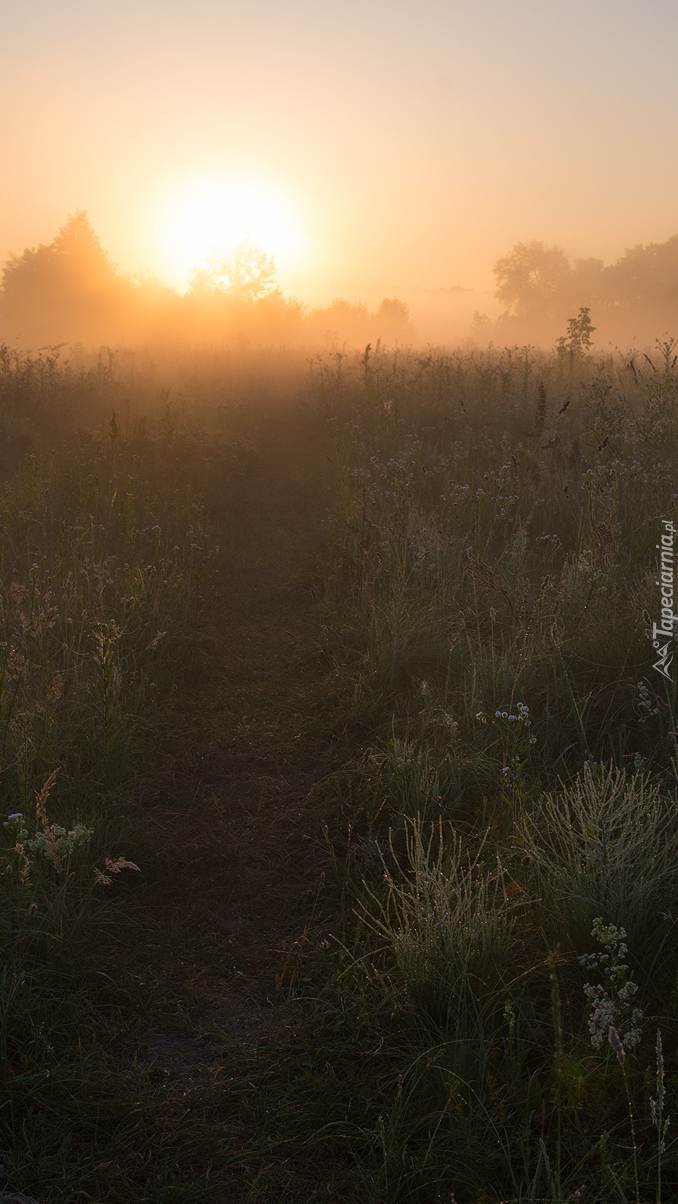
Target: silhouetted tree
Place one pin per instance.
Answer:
(586, 283)
(532, 279)
(346, 311)
(645, 278)
(392, 312)
(65, 290)
(540, 285)
(577, 341)
(341, 321)
(247, 273)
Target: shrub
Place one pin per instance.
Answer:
(606, 846)
(448, 921)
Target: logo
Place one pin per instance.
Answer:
(662, 633)
(665, 658)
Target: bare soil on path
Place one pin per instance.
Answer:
(228, 916)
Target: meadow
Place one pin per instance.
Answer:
(340, 858)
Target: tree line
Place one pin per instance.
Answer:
(541, 286)
(71, 290)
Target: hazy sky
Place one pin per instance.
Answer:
(393, 144)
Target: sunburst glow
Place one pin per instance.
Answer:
(212, 216)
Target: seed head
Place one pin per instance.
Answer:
(615, 1041)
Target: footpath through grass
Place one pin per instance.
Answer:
(340, 859)
(177, 687)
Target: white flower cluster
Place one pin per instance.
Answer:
(611, 1000)
(65, 843)
(523, 716)
(510, 1016)
(46, 844)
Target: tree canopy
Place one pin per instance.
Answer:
(245, 274)
(542, 284)
(530, 278)
(69, 284)
(71, 290)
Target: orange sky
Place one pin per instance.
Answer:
(398, 145)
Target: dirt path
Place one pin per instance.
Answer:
(228, 916)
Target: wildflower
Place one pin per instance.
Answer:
(611, 1001)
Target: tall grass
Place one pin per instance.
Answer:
(503, 555)
(104, 556)
(487, 619)
(102, 562)
(502, 760)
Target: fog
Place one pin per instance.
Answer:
(70, 292)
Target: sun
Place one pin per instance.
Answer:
(211, 217)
